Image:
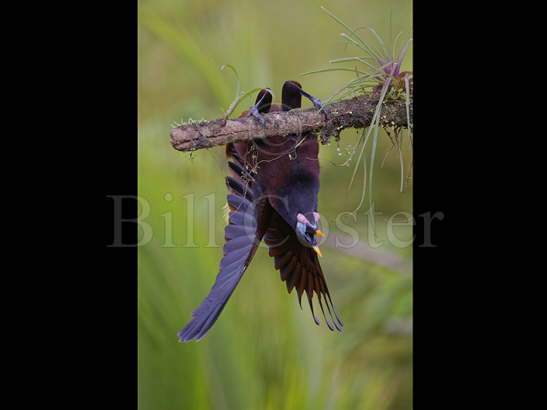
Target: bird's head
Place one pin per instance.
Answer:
(306, 230)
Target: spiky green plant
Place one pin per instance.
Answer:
(379, 72)
(239, 95)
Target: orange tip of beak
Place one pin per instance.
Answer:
(317, 251)
(318, 232)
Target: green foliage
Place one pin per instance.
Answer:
(377, 75)
(264, 352)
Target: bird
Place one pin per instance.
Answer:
(272, 196)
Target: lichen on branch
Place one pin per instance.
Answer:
(356, 112)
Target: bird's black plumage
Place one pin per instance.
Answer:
(273, 188)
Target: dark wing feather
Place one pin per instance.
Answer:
(242, 234)
(300, 269)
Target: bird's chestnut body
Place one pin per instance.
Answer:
(273, 187)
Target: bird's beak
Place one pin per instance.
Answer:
(318, 232)
(317, 251)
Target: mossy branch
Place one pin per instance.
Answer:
(356, 112)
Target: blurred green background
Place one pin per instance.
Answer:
(264, 352)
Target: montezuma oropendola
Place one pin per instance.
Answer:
(273, 191)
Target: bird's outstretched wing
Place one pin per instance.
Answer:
(248, 215)
(299, 268)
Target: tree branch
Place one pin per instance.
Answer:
(355, 113)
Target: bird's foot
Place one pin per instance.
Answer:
(259, 117)
(315, 101)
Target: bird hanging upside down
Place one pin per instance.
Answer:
(273, 191)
